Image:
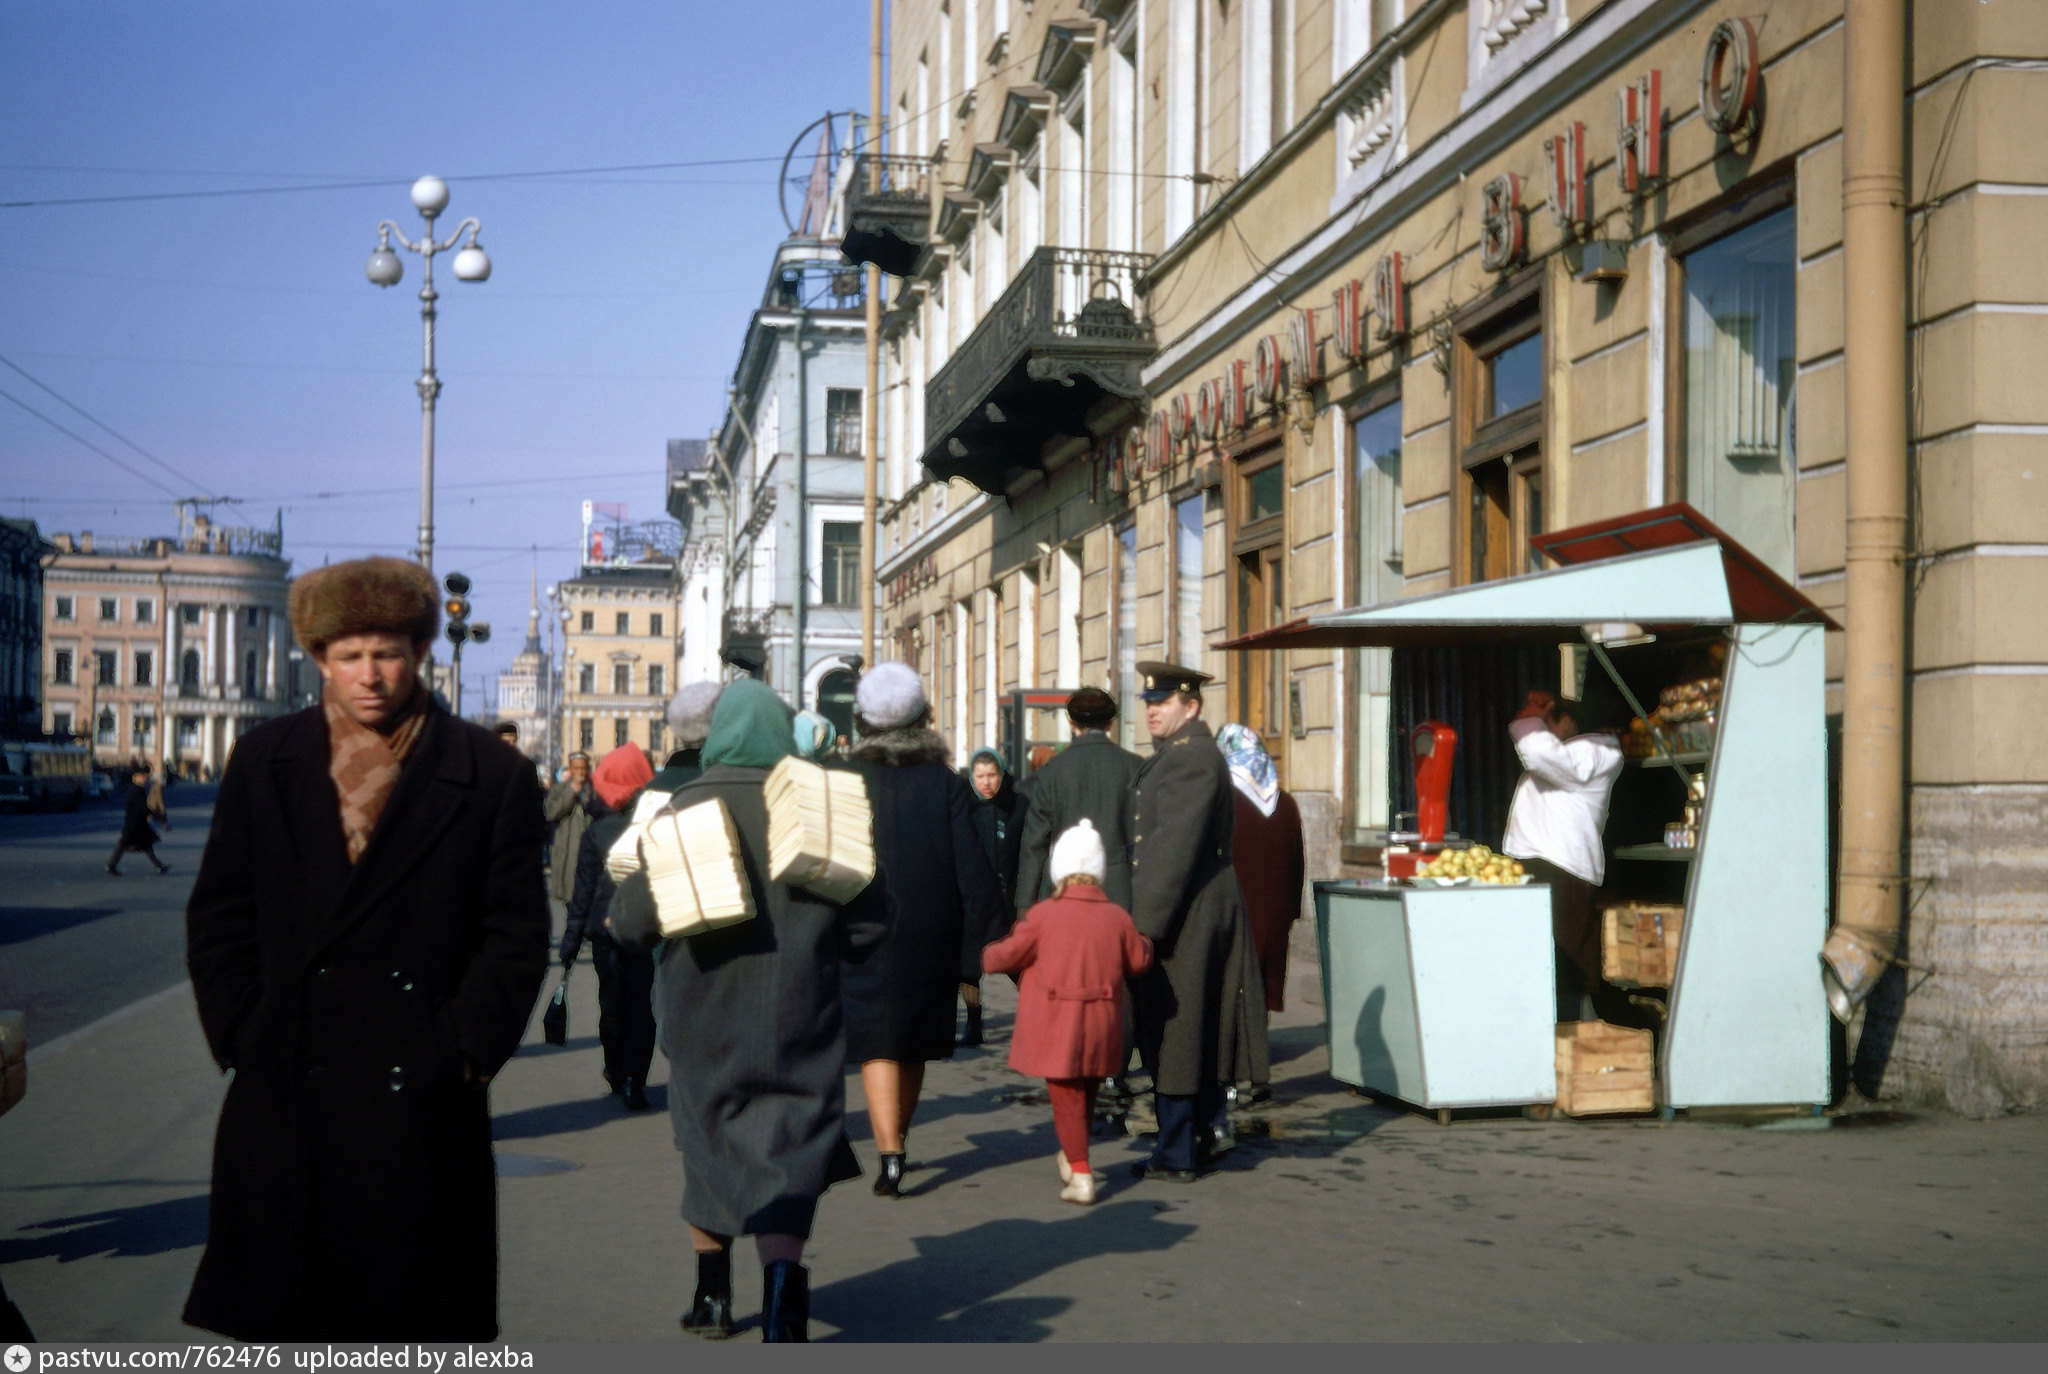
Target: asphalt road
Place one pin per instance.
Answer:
(76, 944)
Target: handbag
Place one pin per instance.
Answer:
(554, 1022)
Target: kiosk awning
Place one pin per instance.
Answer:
(1662, 569)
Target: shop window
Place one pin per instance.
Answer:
(107, 668)
(1127, 631)
(842, 421)
(1376, 576)
(60, 668)
(622, 679)
(839, 574)
(1259, 599)
(145, 668)
(1499, 381)
(1737, 371)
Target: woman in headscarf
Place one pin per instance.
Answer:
(899, 1005)
(625, 978)
(815, 736)
(999, 824)
(1266, 850)
(752, 1025)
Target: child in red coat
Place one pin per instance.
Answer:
(1074, 951)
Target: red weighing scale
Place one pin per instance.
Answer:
(1434, 746)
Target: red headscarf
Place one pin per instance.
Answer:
(623, 772)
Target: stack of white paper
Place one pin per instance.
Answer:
(820, 830)
(622, 860)
(694, 870)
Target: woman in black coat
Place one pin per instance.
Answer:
(899, 1005)
(999, 824)
(751, 1024)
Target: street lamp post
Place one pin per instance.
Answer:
(430, 198)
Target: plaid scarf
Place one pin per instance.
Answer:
(365, 765)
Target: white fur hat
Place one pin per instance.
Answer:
(890, 695)
(1079, 850)
(689, 711)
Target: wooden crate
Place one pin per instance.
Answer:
(1603, 1068)
(1639, 944)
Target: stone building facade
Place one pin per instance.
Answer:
(619, 666)
(22, 549)
(169, 650)
(1230, 313)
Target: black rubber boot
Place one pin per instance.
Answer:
(710, 1314)
(889, 1177)
(785, 1302)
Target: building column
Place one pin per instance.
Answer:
(231, 651)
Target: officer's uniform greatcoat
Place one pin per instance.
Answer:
(1184, 897)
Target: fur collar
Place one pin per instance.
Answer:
(901, 748)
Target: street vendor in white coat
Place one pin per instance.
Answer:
(1554, 826)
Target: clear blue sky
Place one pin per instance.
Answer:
(236, 338)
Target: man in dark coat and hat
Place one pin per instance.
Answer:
(1184, 898)
(1088, 780)
(366, 937)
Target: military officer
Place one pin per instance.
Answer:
(1184, 897)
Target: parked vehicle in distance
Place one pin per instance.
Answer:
(36, 776)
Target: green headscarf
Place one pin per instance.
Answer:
(750, 728)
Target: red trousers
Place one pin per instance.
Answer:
(1073, 1103)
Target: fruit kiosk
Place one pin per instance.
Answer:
(1439, 976)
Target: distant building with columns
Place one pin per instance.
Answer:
(169, 649)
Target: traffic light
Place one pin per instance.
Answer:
(457, 606)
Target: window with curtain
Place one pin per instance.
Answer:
(1187, 581)
(1739, 372)
(1376, 577)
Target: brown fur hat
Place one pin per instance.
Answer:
(365, 596)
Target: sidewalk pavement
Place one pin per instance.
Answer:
(1336, 1218)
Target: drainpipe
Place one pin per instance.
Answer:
(1869, 909)
(800, 601)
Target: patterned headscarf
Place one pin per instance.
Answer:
(1251, 767)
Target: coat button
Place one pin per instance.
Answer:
(397, 1078)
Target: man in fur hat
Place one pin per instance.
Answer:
(366, 938)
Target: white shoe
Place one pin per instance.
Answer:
(1080, 1188)
(1066, 1169)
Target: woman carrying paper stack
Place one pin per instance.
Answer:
(899, 1005)
(752, 1027)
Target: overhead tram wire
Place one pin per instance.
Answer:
(194, 483)
(169, 491)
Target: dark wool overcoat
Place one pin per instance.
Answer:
(354, 1197)
(899, 1004)
(999, 824)
(1090, 779)
(1267, 853)
(136, 831)
(1191, 1027)
(751, 1021)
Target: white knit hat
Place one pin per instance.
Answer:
(689, 711)
(890, 695)
(1079, 850)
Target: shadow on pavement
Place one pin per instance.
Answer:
(569, 1046)
(952, 1290)
(583, 1114)
(153, 1228)
(937, 1107)
(19, 923)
